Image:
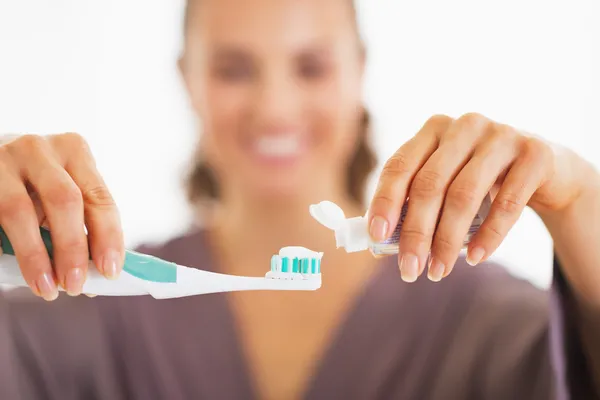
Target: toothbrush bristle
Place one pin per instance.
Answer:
(295, 268)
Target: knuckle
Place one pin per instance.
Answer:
(427, 183)
(28, 143)
(443, 244)
(30, 140)
(473, 119)
(62, 194)
(462, 195)
(71, 145)
(502, 133)
(396, 166)
(438, 120)
(74, 139)
(537, 151)
(415, 235)
(509, 203)
(380, 202)
(493, 231)
(72, 245)
(31, 258)
(98, 196)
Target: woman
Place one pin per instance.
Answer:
(277, 85)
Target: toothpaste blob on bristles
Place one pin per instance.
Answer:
(295, 262)
(299, 252)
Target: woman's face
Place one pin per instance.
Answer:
(277, 86)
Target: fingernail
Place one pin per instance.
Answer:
(436, 270)
(475, 256)
(46, 287)
(379, 228)
(409, 267)
(74, 282)
(110, 265)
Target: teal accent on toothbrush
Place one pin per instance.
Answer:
(139, 265)
(149, 268)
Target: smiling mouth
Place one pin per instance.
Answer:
(280, 146)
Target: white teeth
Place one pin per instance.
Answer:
(280, 146)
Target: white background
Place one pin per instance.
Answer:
(106, 69)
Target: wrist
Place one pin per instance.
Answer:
(575, 231)
(586, 200)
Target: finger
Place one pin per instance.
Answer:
(37, 204)
(465, 196)
(63, 206)
(91, 296)
(398, 172)
(526, 175)
(427, 192)
(102, 219)
(18, 219)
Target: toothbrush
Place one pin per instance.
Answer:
(294, 268)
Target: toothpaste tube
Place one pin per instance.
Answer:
(352, 234)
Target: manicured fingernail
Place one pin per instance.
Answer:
(475, 256)
(436, 270)
(47, 287)
(110, 265)
(409, 267)
(379, 228)
(74, 282)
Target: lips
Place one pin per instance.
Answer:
(280, 146)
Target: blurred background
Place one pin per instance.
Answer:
(107, 70)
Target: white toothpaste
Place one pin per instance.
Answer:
(299, 252)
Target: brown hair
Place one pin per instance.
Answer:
(203, 186)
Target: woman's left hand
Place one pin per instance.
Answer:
(447, 169)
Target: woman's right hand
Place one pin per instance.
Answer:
(52, 181)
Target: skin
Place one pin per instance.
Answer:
(266, 68)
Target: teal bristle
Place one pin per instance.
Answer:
(284, 264)
(304, 266)
(274, 263)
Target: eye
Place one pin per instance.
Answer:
(234, 71)
(313, 66)
(233, 65)
(313, 70)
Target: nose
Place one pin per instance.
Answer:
(278, 100)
